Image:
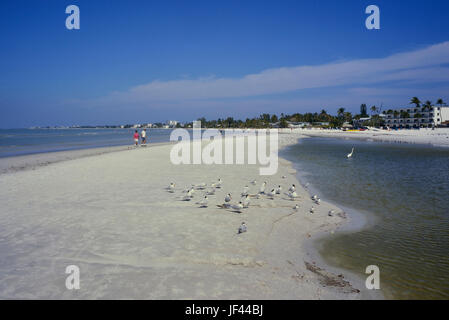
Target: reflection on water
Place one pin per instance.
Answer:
(407, 188)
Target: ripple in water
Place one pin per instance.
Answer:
(406, 187)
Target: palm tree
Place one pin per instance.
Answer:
(341, 111)
(427, 105)
(373, 109)
(440, 102)
(415, 101)
(363, 110)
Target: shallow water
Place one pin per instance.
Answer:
(406, 189)
(14, 142)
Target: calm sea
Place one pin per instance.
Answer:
(15, 142)
(404, 189)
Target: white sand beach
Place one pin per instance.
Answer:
(110, 214)
(437, 137)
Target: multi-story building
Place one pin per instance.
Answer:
(417, 117)
(171, 123)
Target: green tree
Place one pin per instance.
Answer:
(283, 123)
(415, 101)
(427, 105)
(363, 111)
(340, 112)
(440, 102)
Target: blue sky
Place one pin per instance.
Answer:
(148, 61)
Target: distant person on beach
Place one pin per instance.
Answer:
(143, 135)
(136, 138)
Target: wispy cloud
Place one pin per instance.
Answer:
(425, 65)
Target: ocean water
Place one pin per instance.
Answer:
(14, 142)
(403, 189)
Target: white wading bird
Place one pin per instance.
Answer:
(262, 187)
(350, 154)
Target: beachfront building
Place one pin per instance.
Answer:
(171, 123)
(417, 117)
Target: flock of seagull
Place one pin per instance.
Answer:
(245, 196)
(188, 194)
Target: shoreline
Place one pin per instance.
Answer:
(437, 138)
(33, 161)
(103, 222)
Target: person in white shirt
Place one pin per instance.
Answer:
(143, 135)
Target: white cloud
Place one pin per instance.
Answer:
(420, 66)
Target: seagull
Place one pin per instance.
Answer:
(307, 185)
(350, 154)
(203, 203)
(318, 201)
(200, 186)
(272, 193)
(292, 188)
(245, 201)
(262, 187)
(171, 187)
(254, 182)
(292, 195)
(242, 228)
(312, 210)
(218, 184)
(189, 195)
(245, 191)
(314, 197)
(279, 190)
(210, 192)
(284, 177)
(228, 197)
(237, 207)
(296, 207)
(331, 213)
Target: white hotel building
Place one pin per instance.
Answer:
(417, 117)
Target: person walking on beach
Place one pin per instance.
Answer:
(136, 138)
(143, 135)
